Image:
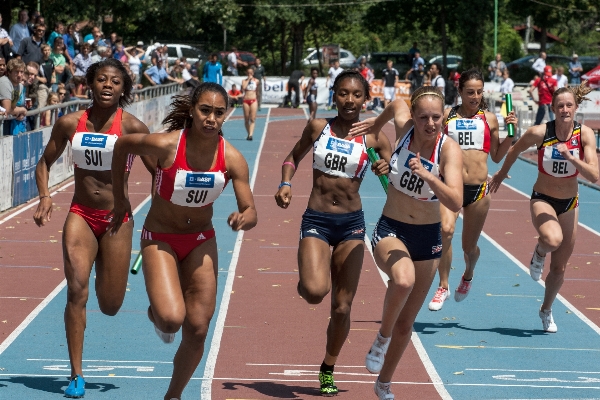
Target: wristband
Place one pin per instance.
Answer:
(284, 184)
(41, 197)
(289, 163)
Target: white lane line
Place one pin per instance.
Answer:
(106, 361)
(436, 380)
(301, 365)
(27, 207)
(590, 229)
(532, 370)
(215, 345)
(11, 338)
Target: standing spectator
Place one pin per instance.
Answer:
(135, 63)
(260, 74)
(233, 61)
(546, 85)
(363, 69)
(165, 56)
(30, 47)
(235, 96)
(417, 60)
(188, 79)
(496, 69)
(112, 42)
(90, 36)
(213, 71)
(156, 53)
(2, 67)
(560, 77)
(414, 49)
(77, 88)
(61, 71)
(46, 75)
(102, 53)
(540, 64)
(83, 60)
(119, 52)
(12, 96)
(5, 40)
(46, 116)
(70, 40)
(436, 78)
(32, 21)
(451, 97)
(416, 77)
(32, 84)
(507, 84)
(59, 30)
(390, 76)
(19, 31)
(294, 83)
(575, 69)
(334, 71)
(157, 75)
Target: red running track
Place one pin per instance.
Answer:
(274, 342)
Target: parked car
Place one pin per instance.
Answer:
(452, 60)
(175, 51)
(244, 56)
(346, 58)
(521, 69)
(378, 62)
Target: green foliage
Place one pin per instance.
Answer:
(510, 44)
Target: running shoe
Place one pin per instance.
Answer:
(165, 337)
(536, 267)
(548, 321)
(328, 388)
(382, 390)
(440, 296)
(462, 291)
(376, 356)
(76, 388)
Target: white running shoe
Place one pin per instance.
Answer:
(376, 356)
(536, 267)
(548, 321)
(462, 291)
(165, 337)
(382, 390)
(440, 296)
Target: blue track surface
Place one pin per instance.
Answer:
(490, 346)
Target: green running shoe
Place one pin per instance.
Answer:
(328, 387)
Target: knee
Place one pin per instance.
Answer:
(252, 120)
(77, 294)
(169, 324)
(312, 295)
(448, 230)
(552, 240)
(402, 328)
(341, 311)
(110, 307)
(196, 333)
(401, 284)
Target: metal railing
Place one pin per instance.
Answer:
(75, 105)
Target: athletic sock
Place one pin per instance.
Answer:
(327, 368)
(467, 280)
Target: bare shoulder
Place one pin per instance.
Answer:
(131, 124)
(67, 124)
(490, 117)
(316, 126)
(450, 148)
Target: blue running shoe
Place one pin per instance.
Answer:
(76, 388)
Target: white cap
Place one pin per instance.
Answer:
(575, 55)
(157, 44)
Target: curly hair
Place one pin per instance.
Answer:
(352, 74)
(472, 74)
(179, 116)
(92, 71)
(578, 92)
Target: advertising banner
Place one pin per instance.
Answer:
(6, 172)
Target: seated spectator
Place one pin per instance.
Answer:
(46, 116)
(2, 67)
(188, 79)
(12, 97)
(157, 75)
(83, 60)
(235, 96)
(30, 47)
(77, 88)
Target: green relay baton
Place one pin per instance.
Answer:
(382, 178)
(137, 264)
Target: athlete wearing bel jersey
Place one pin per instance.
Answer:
(565, 150)
(334, 216)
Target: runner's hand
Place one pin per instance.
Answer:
(564, 151)
(511, 118)
(417, 167)
(380, 167)
(43, 211)
(362, 128)
(283, 197)
(496, 180)
(121, 209)
(236, 220)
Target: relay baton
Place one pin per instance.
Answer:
(374, 157)
(509, 108)
(137, 264)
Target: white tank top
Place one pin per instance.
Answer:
(340, 157)
(401, 176)
(93, 151)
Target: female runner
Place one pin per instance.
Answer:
(334, 216)
(249, 88)
(425, 171)
(179, 247)
(476, 131)
(565, 150)
(310, 93)
(92, 134)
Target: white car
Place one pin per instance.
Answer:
(452, 60)
(176, 51)
(346, 58)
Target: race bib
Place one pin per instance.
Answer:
(197, 189)
(93, 151)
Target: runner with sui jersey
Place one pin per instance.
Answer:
(334, 216)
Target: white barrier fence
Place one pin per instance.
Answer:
(20, 154)
(275, 88)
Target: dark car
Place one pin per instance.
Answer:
(521, 69)
(244, 56)
(378, 62)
